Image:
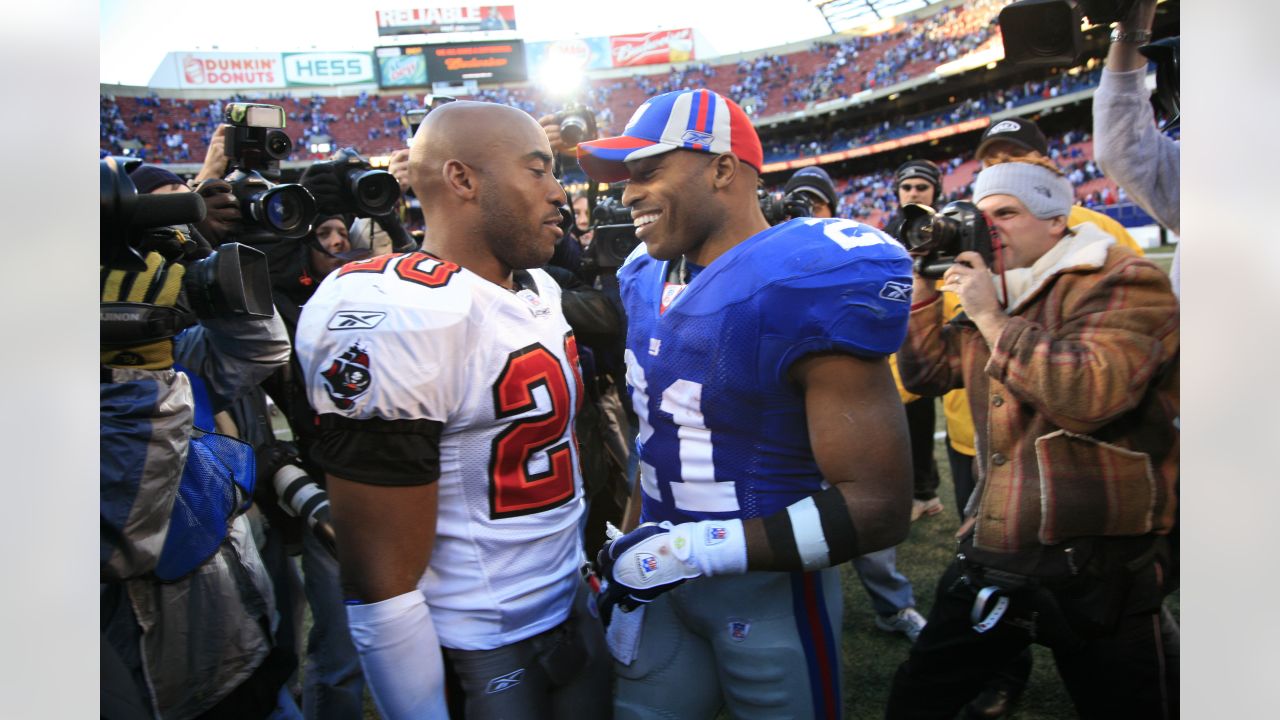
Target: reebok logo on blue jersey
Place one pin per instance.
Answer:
(896, 291)
(504, 682)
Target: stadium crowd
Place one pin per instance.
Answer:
(516, 458)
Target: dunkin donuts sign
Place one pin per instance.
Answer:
(230, 70)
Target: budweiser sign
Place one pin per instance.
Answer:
(661, 46)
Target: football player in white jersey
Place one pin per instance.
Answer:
(446, 382)
(772, 442)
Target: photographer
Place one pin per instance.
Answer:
(586, 274)
(1069, 352)
(187, 611)
(1127, 144)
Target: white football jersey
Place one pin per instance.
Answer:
(404, 337)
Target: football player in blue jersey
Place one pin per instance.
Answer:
(772, 442)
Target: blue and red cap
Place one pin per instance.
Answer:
(699, 120)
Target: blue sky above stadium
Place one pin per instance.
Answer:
(136, 34)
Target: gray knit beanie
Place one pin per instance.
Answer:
(1045, 193)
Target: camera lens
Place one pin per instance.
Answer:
(375, 192)
(278, 144)
(573, 129)
(288, 210)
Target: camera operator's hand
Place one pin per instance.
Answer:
(399, 168)
(323, 185)
(158, 285)
(970, 280)
(551, 126)
(1123, 54)
(215, 158)
(222, 212)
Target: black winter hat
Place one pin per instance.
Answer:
(815, 180)
(1019, 131)
(920, 169)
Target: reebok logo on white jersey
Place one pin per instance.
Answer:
(355, 319)
(504, 682)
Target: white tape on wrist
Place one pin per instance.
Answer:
(714, 547)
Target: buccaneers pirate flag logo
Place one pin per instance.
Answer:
(347, 377)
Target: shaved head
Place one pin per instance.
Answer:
(483, 174)
(474, 133)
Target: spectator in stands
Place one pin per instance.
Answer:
(890, 591)
(1072, 374)
(1128, 147)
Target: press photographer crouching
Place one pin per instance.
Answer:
(1069, 352)
(187, 611)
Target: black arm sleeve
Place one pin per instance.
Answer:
(379, 452)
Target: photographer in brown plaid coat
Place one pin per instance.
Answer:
(1070, 356)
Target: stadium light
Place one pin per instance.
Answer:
(561, 77)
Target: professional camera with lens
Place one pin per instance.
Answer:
(613, 236)
(1047, 32)
(227, 283)
(255, 146)
(412, 119)
(362, 191)
(577, 124)
(779, 208)
(935, 238)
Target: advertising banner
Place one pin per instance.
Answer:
(572, 55)
(332, 68)
(401, 66)
(660, 46)
(492, 61)
(423, 20)
(229, 70)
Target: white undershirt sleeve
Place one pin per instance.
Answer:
(401, 656)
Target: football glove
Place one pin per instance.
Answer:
(159, 285)
(656, 557)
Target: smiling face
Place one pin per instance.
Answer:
(672, 201)
(1024, 238)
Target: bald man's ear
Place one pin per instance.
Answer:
(726, 167)
(460, 178)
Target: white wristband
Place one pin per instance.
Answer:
(714, 547)
(401, 657)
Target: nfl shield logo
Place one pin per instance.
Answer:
(716, 535)
(648, 565)
(738, 630)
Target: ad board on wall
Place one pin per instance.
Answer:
(426, 20)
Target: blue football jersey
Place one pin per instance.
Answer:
(722, 429)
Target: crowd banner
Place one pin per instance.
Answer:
(247, 71)
(660, 46)
(401, 67)
(427, 20)
(328, 68)
(487, 61)
(575, 54)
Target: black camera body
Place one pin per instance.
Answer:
(935, 238)
(255, 146)
(779, 208)
(362, 190)
(1047, 32)
(613, 236)
(577, 124)
(229, 282)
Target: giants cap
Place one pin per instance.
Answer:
(699, 120)
(1019, 131)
